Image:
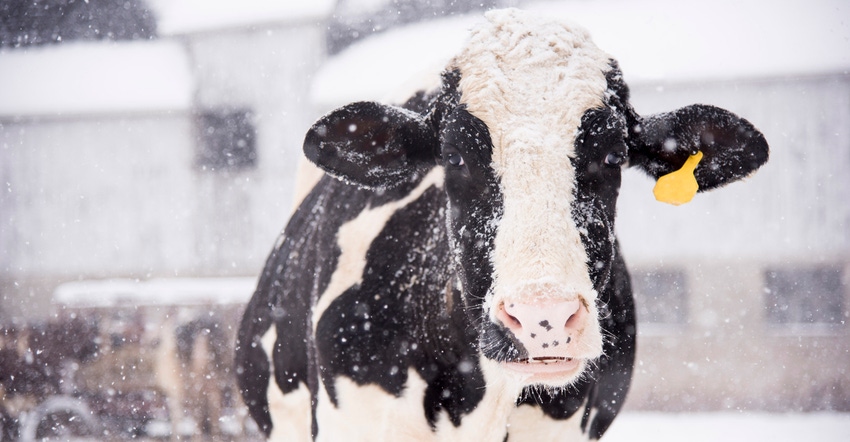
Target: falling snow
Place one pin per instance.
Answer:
(124, 264)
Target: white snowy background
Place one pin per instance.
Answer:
(708, 50)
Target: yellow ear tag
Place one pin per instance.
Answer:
(678, 187)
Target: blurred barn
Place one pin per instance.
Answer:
(174, 154)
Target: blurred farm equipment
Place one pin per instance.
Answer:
(127, 359)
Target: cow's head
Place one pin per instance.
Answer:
(532, 128)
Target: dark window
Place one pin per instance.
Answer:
(226, 140)
(812, 295)
(39, 22)
(660, 296)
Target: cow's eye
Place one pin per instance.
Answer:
(454, 159)
(615, 159)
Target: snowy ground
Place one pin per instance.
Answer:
(729, 427)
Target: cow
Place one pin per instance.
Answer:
(455, 274)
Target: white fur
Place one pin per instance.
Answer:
(355, 237)
(307, 175)
(368, 413)
(389, 418)
(531, 80)
(488, 422)
(529, 423)
(290, 412)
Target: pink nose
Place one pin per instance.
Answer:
(547, 329)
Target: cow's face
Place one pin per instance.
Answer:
(532, 233)
(533, 102)
(532, 127)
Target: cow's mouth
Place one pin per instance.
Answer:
(547, 369)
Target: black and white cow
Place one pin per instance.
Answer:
(462, 280)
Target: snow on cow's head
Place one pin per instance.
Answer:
(531, 127)
(530, 82)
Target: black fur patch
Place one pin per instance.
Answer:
(375, 331)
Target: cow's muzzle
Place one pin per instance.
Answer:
(553, 335)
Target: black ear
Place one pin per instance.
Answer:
(371, 144)
(732, 148)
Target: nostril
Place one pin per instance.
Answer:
(510, 321)
(575, 318)
(553, 317)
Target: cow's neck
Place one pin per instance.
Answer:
(493, 413)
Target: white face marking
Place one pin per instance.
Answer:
(355, 237)
(531, 81)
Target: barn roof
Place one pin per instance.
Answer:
(654, 41)
(92, 78)
(175, 17)
(159, 291)
(76, 78)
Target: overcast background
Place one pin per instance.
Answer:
(148, 151)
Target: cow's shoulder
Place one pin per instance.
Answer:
(391, 267)
(392, 316)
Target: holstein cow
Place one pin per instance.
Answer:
(461, 279)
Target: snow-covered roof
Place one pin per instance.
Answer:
(164, 291)
(95, 77)
(718, 39)
(391, 62)
(654, 40)
(176, 17)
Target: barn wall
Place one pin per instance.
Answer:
(95, 197)
(109, 196)
(124, 195)
(791, 215)
(266, 72)
(791, 209)
(727, 356)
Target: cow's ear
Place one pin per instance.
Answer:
(731, 147)
(370, 144)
